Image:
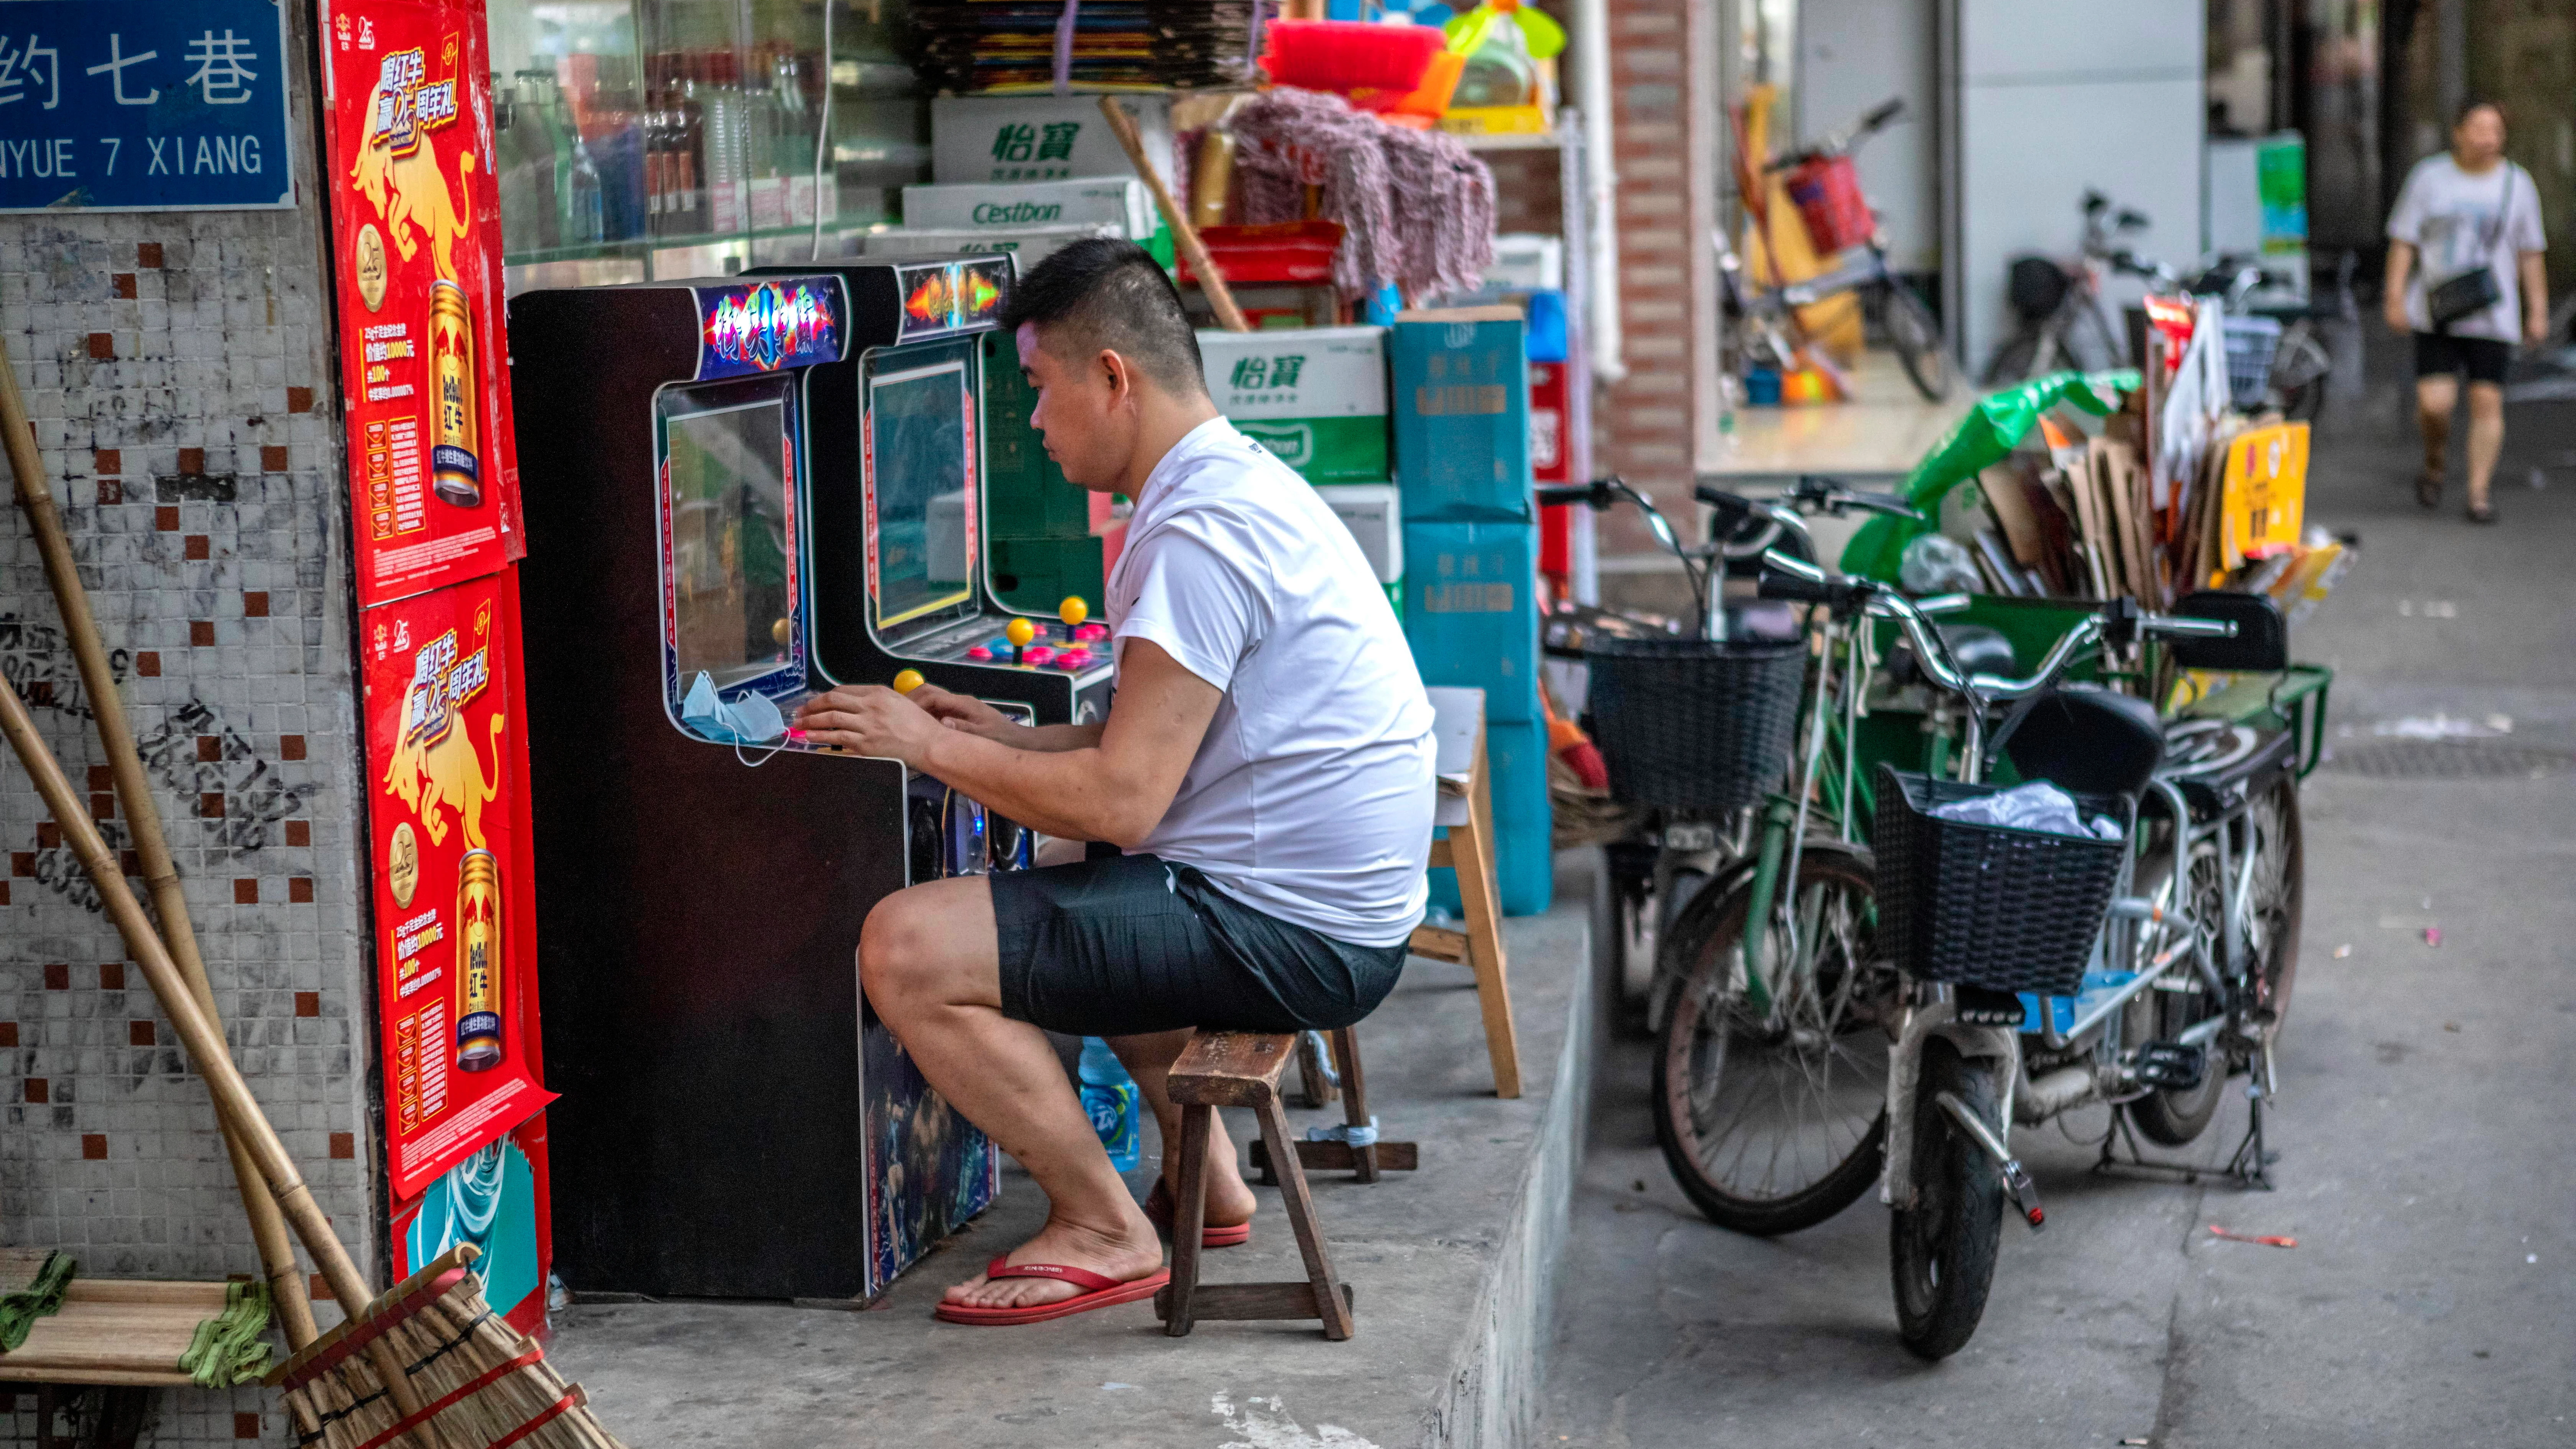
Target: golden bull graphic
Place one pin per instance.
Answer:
(436, 766)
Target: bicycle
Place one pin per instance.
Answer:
(2294, 377)
(2052, 302)
(1767, 316)
(2187, 948)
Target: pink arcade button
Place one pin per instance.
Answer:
(979, 652)
(1036, 655)
(1091, 633)
(1074, 659)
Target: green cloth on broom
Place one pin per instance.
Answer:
(42, 1297)
(228, 1348)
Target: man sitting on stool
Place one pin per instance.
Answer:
(1266, 765)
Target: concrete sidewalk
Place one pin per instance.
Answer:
(1453, 1267)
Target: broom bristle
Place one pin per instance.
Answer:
(481, 1384)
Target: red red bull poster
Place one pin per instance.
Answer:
(416, 246)
(456, 955)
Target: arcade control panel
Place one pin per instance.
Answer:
(1071, 646)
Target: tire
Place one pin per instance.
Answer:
(2170, 1116)
(2298, 376)
(1920, 348)
(2014, 361)
(1941, 1251)
(1717, 1061)
(2278, 898)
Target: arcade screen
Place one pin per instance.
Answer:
(726, 470)
(921, 481)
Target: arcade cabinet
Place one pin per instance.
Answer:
(705, 548)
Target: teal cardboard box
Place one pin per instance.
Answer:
(1461, 404)
(1524, 824)
(1470, 614)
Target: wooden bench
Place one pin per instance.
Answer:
(1242, 1069)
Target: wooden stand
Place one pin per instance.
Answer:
(1242, 1069)
(1364, 1162)
(1466, 808)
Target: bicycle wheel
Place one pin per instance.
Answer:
(1941, 1251)
(2015, 360)
(1918, 341)
(1772, 1121)
(2174, 1116)
(2276, 897)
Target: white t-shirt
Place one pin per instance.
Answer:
(2458, 222)
(1310, 797)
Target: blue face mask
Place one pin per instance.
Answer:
(750, 720)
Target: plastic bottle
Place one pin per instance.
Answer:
(526, 161)
(585, 218)
(728, 171)
(1109, 1095)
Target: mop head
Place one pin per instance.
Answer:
(229, 1348)
(41, 1296)
(478, 1380)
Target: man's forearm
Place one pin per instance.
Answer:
(1052, 739)
(1061, 787)
(2535, 292)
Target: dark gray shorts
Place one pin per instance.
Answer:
(1127, 944)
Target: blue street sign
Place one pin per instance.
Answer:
(144, 105)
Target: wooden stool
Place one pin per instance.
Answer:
(1241, 1069)
(1466, 809)
(1336, 1152)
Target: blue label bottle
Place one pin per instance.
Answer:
(1109, 1095)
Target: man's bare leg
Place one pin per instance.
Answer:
(2435, 397)
(932, 970)
(2486, 438)
(1149, 1060)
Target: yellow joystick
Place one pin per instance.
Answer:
(907, 681)
(1073, 610)
(1019, 632)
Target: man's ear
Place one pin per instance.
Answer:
(1120, 377)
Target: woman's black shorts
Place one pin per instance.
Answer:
(1127, 944)
(2484, 359)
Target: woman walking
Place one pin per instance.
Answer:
(2473, 219)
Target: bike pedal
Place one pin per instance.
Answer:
(2170, 1065)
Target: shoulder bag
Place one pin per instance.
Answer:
(2475, 290)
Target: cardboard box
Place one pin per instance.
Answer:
(1028, 245)
(1524, 824)
(1022, 205)
(1041, 138)
(1374, 514)
(1471, 612)
(1315, 396)
(1461, 410)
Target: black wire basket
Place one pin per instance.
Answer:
(1686, 724)
(1988, 905)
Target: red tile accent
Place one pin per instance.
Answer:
(210, 805)
(299, 832)
(148, 255)
(246, 891)
(290, 747)
(102, 346)
(102, 777)
(58, 976)
(192, 460)
(319, 1290)
(344, 1145)
(8, 1033)
(246, 1425)
(110, 491)
(138, 1033)
(272, 459)
(210, 748)
(102, 806)
(201, 633)
(308, 1003)
(107, 460)
(40, 1092)
(48, 835)
(148, 664)
(111, 976)
(124, 285)
(22, 862)
(299, 399)
(299, 890)
(127, 863)
(255, 605)
(94, 1146)
(198, 546)
(166, 518)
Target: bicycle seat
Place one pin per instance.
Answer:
(2090, 741)
(2216, 764)
(1976, 648)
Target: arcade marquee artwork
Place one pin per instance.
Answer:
(416, 246)
(447, 766)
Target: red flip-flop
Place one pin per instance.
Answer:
(1098, 1291)
(1158, 1210)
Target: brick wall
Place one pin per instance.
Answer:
(179, 372)
(1649, 426)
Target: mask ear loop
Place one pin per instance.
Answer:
(749, 763)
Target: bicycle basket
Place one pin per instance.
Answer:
(1832, 204)
(1686, 724)
(2251, 341)
(1988, 905)
(2037, 286)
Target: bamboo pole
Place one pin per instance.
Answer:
(234, 1103)
(1184, 235)
(143, 815)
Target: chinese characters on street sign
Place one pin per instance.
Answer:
(143, 105)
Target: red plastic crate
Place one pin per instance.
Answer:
(1830, 202)
(1293, 252)
(1345, 55)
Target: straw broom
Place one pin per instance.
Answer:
(488, 1387)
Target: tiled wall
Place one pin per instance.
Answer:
(179, 371)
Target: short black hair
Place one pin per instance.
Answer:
(2471, 107)
(1101, 292)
